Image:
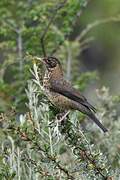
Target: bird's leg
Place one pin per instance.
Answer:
(62, 116)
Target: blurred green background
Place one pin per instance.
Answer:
(104, 53)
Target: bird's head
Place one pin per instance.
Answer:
(52, 65)
(51, 62)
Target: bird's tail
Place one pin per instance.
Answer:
(94, 118)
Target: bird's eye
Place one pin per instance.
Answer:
(51, 62)
(48, 61)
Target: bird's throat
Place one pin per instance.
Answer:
(52, 74)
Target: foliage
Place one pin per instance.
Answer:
(47, 142)
(34, 144)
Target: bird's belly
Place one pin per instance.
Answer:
(61, 102)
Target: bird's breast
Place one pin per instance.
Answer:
(60, 101)
(46, 81)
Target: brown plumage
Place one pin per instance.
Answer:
(62, 94)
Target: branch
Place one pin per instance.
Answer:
(96, 23)
(39, 169)
(77, 16)
(19, 47)
(11, 25)
(80, 149)
(58, 7)
(25, 137)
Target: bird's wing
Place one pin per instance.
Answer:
(65, 88)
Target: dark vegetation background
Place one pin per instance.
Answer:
(84, 35)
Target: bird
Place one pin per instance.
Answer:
(62, 94)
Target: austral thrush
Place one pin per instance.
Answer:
(62, 94)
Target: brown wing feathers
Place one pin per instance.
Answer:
(65, 89)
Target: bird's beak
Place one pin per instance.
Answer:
(38, 59)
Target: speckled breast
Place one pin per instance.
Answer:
(61, 102)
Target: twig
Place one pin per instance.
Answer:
(53, 159)
(18, 31)
(58, 7)
(38, 167)
(38, 148)
(78, 14)
(96, 23)
(74, 141)
(64, 116)
(11, 25)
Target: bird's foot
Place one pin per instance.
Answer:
(51, 124)
(62, 116)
